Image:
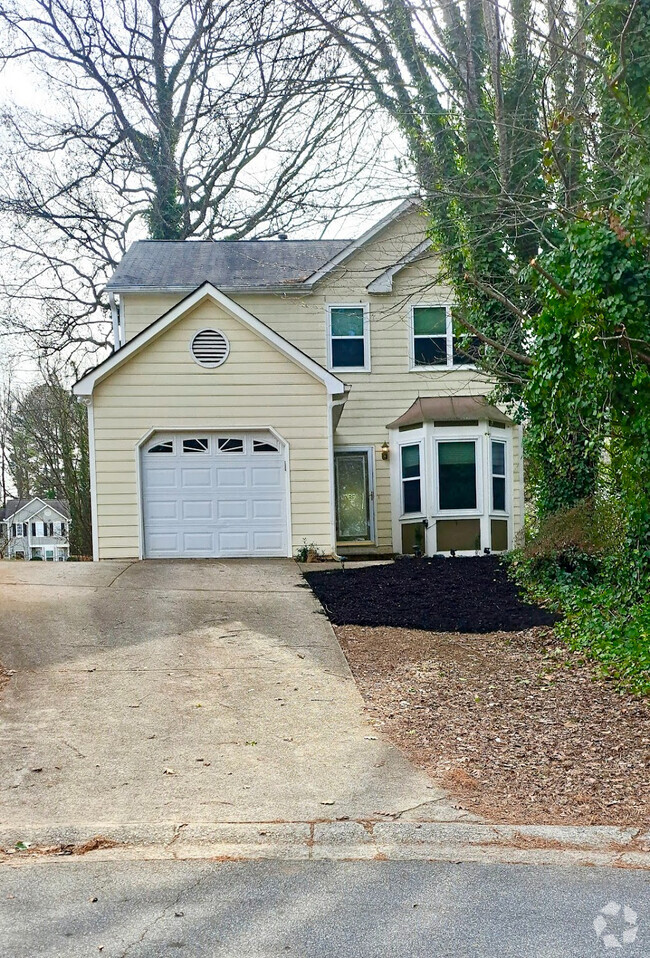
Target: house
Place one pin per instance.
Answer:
(35, 529)
(268, 394)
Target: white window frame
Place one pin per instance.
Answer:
(449, 336)
(423, 494)
(366, 338)
(499, 513)
(479, 467)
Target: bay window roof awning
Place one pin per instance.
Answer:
(448, 409)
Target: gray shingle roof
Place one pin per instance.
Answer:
(241, 264)
(13, 505)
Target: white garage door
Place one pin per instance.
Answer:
(214, 495)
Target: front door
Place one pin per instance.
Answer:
(354, 514)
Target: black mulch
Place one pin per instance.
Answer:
(462, 594)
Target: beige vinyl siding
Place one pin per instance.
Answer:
(163, 388)
(381, 395)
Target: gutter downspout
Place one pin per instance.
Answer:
(116, 322)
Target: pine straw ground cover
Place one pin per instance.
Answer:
(513, 724)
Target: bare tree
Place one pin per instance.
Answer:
(198, 118)
(49, 452)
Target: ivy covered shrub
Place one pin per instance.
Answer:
(582, 564)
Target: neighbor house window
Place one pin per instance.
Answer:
(457, 487)
(411, 480)
(433, 340)
(498, 476)
(348, 338)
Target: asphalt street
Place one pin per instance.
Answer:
(263, 909)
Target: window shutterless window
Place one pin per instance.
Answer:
(498, 476)
(434, 339)
(457, 475)
(348, 337)
(411, 479)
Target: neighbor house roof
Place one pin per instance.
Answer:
(15, 505)
(151, 264)
(449, 409)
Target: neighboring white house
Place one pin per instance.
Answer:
(267, 394)
(35, 529)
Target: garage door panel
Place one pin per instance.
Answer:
(230, 543)
(232, 508)
(198, 542)
(193, 478)
(268, 508)
(267, 541)
(163, 542)
(266, 476)
(162, 478)
(197, 509)
(163, 509)
(232, 477)
(229, 504)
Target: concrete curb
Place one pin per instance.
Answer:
(332, 840)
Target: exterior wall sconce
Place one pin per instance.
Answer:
(384, 451)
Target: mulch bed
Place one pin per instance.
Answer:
(462, 594)
(517, 728)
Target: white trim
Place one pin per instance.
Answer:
(211, 430)
(366, 237)
(384, 282)
(93, 479)
(449, 341)
(372, 512)
(366, 368)
(84, 387)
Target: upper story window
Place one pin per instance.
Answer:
(433, 339)
(348, 338)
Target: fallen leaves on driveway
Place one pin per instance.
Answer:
(515, 726)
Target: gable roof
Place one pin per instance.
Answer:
(85, 385)
(241, 264)
(13, 506)
(384, 282)
(409, 204)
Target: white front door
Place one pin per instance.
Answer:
(214, 495)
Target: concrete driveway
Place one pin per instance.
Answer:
(158, 692)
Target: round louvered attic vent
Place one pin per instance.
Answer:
(210, 348)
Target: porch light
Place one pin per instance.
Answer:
(384, 451)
